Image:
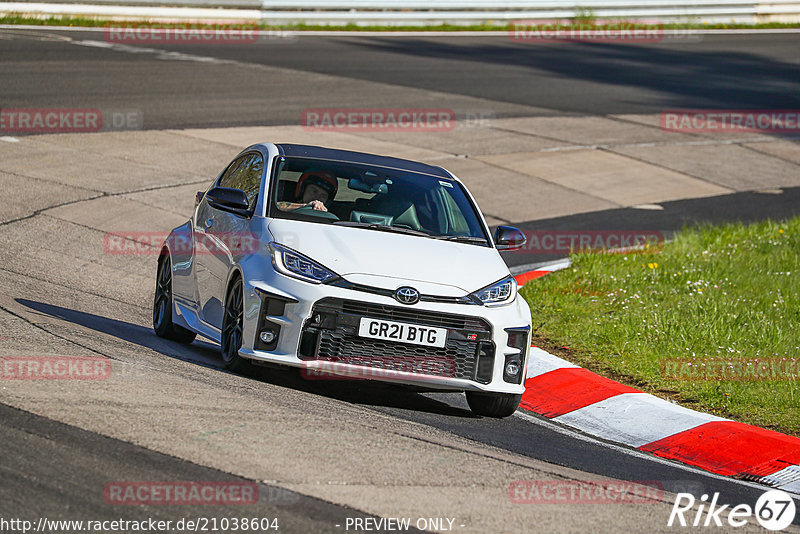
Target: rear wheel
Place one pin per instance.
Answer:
(232, 328)
(493, 404)
(162, 305)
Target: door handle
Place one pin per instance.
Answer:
(209, 223)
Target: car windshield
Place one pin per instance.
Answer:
(374, 198)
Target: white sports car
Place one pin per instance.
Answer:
(349, 264)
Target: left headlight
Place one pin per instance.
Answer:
(499, 293)
(292, 263)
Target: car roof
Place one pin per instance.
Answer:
(347, 156)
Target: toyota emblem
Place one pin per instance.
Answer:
(407, 295)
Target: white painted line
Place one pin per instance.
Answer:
(787, 477)
(9, 139)
(540, 362)
(634, 419)
(551, 266)
(556, 265)
(160, 54)
(100, 44)
(791, 487)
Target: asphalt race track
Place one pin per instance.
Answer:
(324, 453)
(512, 78)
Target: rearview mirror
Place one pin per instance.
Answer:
(368, 186)
(228, 199)
(509, 238)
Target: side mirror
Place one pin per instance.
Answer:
(509, 238)
(228, 199)
(198, 198)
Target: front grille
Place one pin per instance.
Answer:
(331, 334)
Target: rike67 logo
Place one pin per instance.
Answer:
(774, 510)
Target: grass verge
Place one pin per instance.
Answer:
(86, 21)
(712, 299)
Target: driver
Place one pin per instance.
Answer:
(314, 189)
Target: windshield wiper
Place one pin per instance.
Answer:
(382, 228)
(462, 238)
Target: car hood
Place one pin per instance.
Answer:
(388, 260)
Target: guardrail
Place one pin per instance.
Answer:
(398, 12)
(420, 12)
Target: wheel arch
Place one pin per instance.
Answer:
(165, 251)
(234, 273)
(237, 363)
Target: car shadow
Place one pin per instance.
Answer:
(206, 354)
(743, 207)
(682, 75)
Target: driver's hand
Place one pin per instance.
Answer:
(317, 205)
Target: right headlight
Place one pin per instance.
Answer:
(292, 263)
(499, 293)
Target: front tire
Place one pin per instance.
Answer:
(493, 404)
(233, 327)
(162, 305)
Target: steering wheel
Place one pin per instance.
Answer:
(308, 210)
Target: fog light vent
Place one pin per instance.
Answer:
(267, 336)
(512, 368)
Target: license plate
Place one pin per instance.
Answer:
(402, 332)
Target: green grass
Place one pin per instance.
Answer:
(21, 19)
(711, 293)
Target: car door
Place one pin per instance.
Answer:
(218, 235)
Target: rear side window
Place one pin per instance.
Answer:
(245, 174)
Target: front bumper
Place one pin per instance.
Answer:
(316, 330)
